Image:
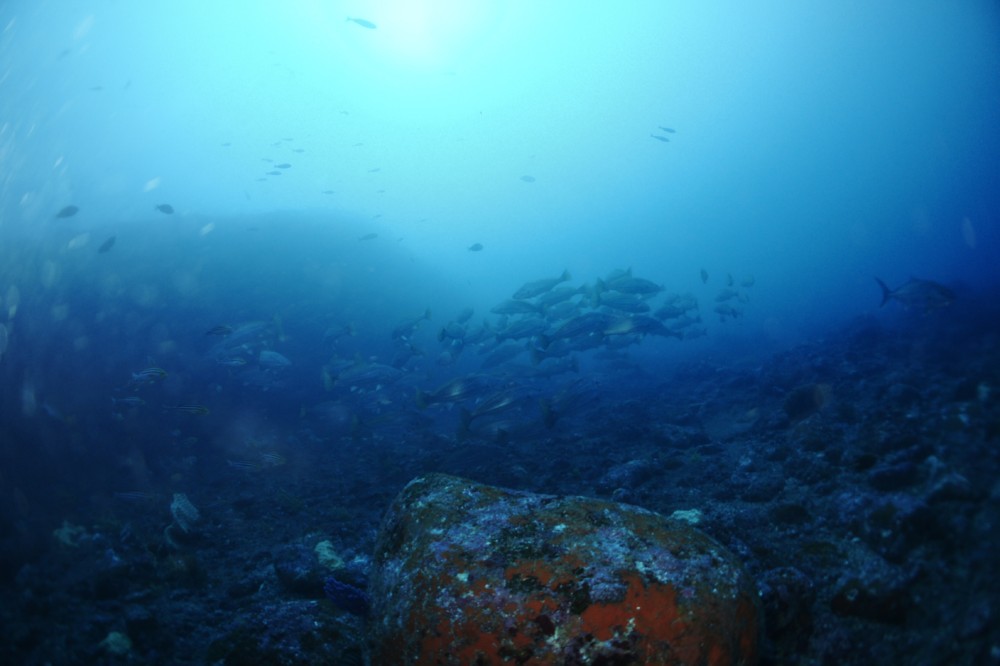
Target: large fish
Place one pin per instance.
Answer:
(923, 294)
(537, 287)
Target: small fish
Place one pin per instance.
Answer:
(298, 150)
(147, 376)
(68, 211)
(234, 362)
(528, 179)
(362, 22)
(371, 236)
(128, 401)
(106, 245)
(327, 192)
(660, 138)
(476, 247)
(199, 410)
(243, 465)
(221, 329)
(283, 165)
(166, 209)
(704, 276)
(272, 459)
(134, 496)
(667, 129)
(273, 173)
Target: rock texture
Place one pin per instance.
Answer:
(472, 574)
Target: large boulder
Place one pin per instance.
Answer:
(472, 574)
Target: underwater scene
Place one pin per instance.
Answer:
(499, 332)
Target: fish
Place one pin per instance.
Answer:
(455, 390)
(528, 179)
(537, 287)
(337, 331)
(128, 401)
(615, 300)
(523, 328)
(166, 209)
(197, 410)
(921, 294)
(727, 294)
(724, 311)
(244, 465)
(476, 247)
(667, 129)
(660, 138)
(630, 285)
(147, 376)
(272, 359)
(406, 328)
(273, 173)
(511, 306)
(368, 375)
(370, 236)
(68, 211)
(133, 495)
(362, 22)
(585, 326)
(232, 362)
(704, 276)
(106, 245)
(221, 329)
(453, 330)
(283, 165)
(676, 306)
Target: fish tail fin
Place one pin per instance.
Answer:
(886, 292)
(565, 277)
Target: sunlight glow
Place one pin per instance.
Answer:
(433, 34)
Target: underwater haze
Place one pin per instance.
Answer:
(277, 257)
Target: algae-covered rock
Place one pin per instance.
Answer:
(466, 573)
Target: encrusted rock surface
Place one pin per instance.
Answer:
(466, 573)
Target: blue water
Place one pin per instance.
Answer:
(327, 178)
